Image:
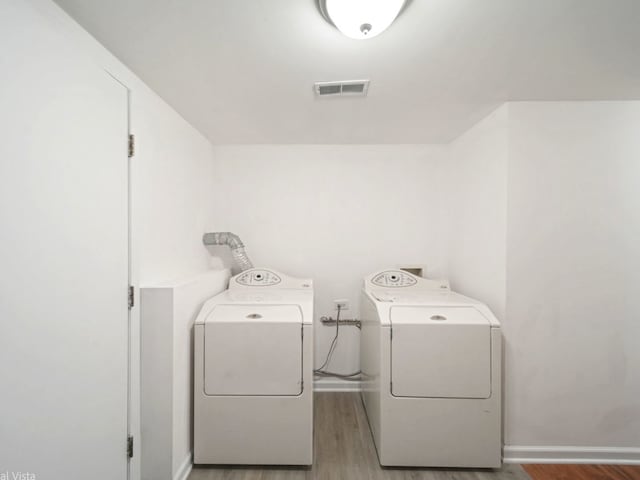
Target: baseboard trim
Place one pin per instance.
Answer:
(328, 384)
(584, 455)
(184, 469)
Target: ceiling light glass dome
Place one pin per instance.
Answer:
(361, 19)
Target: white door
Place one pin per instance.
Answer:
(63, 263)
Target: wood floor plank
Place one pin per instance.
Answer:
(583, 472)
(344, 450)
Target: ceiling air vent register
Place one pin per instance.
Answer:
(349, 88)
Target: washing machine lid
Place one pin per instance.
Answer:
(429, 297)
(253, 350)
(440, 352)
(254, 313)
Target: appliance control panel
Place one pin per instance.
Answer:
(394, 278)
(258, 278)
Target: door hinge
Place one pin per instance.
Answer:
(132, 145)
(131, 297)
(130, 446)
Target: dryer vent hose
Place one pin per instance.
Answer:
(234, 243)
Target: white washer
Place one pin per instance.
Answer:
(253, 372)
(431, 363)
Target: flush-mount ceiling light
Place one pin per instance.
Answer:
(361, 19)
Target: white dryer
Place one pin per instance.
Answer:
(431, 368)
(253, 372)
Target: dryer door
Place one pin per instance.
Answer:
(253, 350)
(440, 352)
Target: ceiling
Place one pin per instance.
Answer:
(242, 71)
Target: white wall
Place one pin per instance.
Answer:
(167, 317)
(544, 227)
(333, 213)
(477, 216)
(171, 193)
(170, 173)
(573, 276)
